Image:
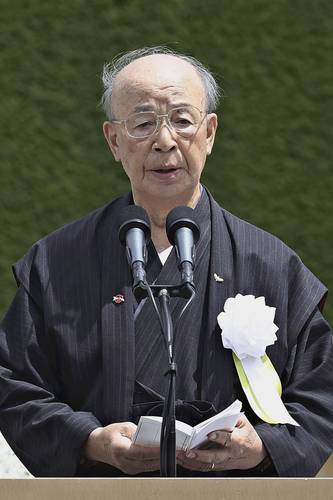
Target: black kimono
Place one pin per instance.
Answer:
(69, 353)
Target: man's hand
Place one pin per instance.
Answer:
(240, 449)
(112, 445)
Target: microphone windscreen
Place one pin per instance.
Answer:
(132, 216)
(182, 216)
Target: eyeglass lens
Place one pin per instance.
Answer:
(183, 120)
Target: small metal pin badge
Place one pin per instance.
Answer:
(118, 299)
(218, 278)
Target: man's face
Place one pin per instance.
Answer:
(165, 165)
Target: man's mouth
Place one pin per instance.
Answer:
(166, 170)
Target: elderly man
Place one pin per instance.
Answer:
(80, 366)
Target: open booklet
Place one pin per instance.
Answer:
(187, 437)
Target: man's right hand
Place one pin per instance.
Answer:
(112, 445)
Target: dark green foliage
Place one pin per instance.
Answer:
(272, 160)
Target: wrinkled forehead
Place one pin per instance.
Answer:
(158, 81)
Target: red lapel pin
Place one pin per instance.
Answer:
(118, 299)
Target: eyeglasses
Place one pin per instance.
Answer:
(184, 120)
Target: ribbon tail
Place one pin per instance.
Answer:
(262, 387)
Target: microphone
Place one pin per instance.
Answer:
(134, 233)
(183, 232)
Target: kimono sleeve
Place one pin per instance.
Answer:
(44, 432)
(308, 396)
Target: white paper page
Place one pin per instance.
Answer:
(233, 409)
(226, 423)
(264, 388)
(149, 430)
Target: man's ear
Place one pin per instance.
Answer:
(211, 131)
(112, 136)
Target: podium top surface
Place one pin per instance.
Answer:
(166, 489)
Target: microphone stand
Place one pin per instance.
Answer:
(168, 465)
(168, 428)
(183, 232)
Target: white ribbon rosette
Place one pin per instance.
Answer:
(248, 327)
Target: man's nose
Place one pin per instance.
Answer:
(164, 137)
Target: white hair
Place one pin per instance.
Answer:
(111, 70)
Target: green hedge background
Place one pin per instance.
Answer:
(272, 159)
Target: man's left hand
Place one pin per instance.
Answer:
(240, 449)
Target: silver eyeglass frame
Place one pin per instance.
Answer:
(159, 119)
